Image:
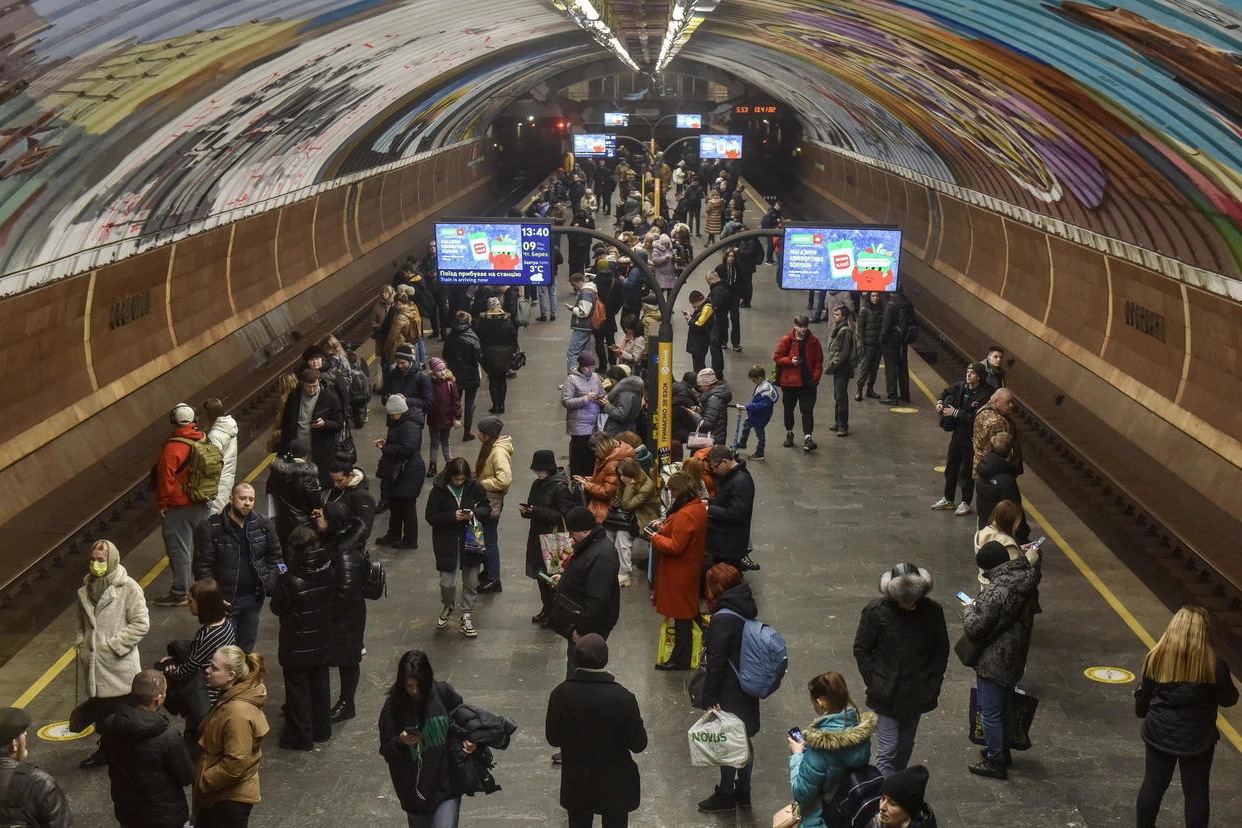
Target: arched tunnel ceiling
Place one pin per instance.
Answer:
(123, 118)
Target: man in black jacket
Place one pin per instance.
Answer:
(729, 512)
(240, 549)
(895, 348)
(902, 650)
(351, 488)
(597, 724)
(409, 380)
(148, 762)
(313, 414)
(957, 407)
(28, 796)
(591, 581)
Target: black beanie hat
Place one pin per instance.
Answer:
(992, 554)
(591, 651)
(14, 721)
(907, 788)
(580, 519)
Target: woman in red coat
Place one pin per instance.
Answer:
(681, 543)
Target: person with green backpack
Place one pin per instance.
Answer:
(180, 511)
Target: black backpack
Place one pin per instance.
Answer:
(907, 326)
(857, 799)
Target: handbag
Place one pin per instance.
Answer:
(564, 615)
(1024, 707)
(525, 311)
(787, 817)
(389, 468)
(969, 651)
(473, 545)
(346, 451)
(376, 584)
(496, 503)
(518, 361)
(698, 439)
(948, 423)
(694, 687)
(557, 548)
(618, 518)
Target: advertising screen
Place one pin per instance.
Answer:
(689, 121)
(616, 119)
(720, 146)
(595, 146)
(841, 258)
(493, 252)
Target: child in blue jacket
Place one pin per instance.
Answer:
(758, 410)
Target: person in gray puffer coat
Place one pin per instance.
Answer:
(714, 399)
(1001, 619)
(580, 395)
(902, 649)
(624, 405)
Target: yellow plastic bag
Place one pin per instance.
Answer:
(668, 636)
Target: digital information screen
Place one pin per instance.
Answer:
(720, 146)
(482, 252)
(595, 146)
(616, 119)
(841, 258)
(689, 121)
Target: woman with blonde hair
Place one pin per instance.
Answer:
(226, 784)
(112, 619)
(605, 482)
(1184, 684)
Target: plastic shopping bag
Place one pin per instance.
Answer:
(718, 738)
(668, 638)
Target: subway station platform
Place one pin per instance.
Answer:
(827, 524)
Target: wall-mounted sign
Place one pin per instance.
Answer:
(761, 109)
(491, 252)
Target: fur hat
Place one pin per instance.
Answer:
(908, 788)
(436, 364)
(992, 554)
(706, 377)
(491, 426)
(544, 460)
(405, 352)
(14, 721)
(591, 651)
(182, 414)
(580, 519)
(396, 404)
(493, 303)
(906, 583)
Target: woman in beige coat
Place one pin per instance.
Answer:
(112, 619)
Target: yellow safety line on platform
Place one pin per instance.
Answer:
(1107, 594)
(66, 659)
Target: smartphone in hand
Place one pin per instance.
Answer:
(964, 598)
(795, 733)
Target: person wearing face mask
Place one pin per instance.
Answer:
(799, 361)
(546, 506)
(32, 796)
(112, 619)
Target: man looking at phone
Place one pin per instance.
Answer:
(902, 650)
(239, 548)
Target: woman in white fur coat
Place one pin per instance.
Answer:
(112, 619)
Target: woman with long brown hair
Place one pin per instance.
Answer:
(1184, 684)
(836, 742)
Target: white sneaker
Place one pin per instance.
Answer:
(943, 505)
(623, 579)
(445, 615)
(467, 627)
(962, 509)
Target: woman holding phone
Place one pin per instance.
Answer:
(456, 508)
(414, 740)
(822, 754)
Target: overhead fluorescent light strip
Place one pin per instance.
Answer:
(587, 16)
(684, 18)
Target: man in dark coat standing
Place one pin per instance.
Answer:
(597, 725)
(729, 512)
(148, 762)
(590, 580)
(902, 650)
(313, 414)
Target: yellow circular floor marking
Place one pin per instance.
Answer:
(938, 469)
(904, 409)
(1109, 675)
(60, 732)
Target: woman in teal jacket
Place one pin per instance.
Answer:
(836, 742)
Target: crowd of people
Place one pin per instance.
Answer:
(608, 521)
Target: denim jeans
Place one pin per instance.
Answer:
(547, 299)
(444, 816)
(245, 613)
(894, 742)
(760, 436)
(996, 710)
(491, 536)
(580, 339)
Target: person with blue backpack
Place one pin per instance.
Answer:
(758, 411)
(831, 753)
(745, 662)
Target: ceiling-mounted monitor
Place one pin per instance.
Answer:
(827, 257)
(594, 145)
(616, 119)
(720, 146)
(494, 252)
(689, 121)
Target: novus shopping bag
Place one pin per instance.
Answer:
(718, 738)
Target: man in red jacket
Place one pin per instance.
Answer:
(800, 365)
(179, 514)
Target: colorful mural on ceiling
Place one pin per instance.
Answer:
(124, 118)
(1124, 119)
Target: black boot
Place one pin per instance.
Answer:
(342, 710)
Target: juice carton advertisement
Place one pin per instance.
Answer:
(841, 257)
(873, 269)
